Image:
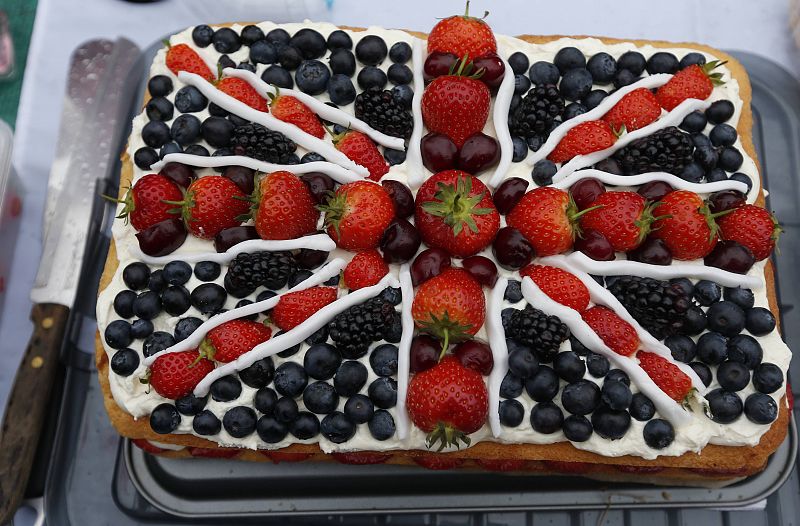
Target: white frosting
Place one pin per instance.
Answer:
(166, 446)
(402, 421)
(413, 154)
(497, 341)
(500, 117)
(635, 180)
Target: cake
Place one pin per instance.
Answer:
(460, 250)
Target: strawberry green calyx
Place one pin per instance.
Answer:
(446, 435)
(445, 329)
(714, 76)
(574, 215)
(206, 350)
(184, 208)
(464, 67)
(130, 204)
(646, 220)
(455, 205)
(711, 220)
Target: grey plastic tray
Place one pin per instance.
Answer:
(95, 478)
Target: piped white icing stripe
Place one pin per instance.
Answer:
(634, 180)
(338, 173)
(667, 407)
(314, 242)
(673, 118)
(331, 269)
(602, 296)
(404, 351)
(328, 113)
(650, 82)
(622, 267)
(497, 341)
(291, 131)
(416, 171)
(296, 335)
(502, 104)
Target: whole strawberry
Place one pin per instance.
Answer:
(357, 215)
(184, 58)
(455, 211)
(560, 285)
(149, 201)
(615, 332)
(667, 376)
(366, 268)
(635, 110)
(624, 218)
(232, 339)
(694, 82)
(548, 218)
(753, 227)
(211, 204)
(586, 137)
(242, 91)
(291, 110)
(296, 307)
(175, 375)
(361, 150)
(448, 401)
(462, 35)
(284, 207)
(456, 105)
(686, 225)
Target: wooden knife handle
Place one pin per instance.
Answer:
(27, 404)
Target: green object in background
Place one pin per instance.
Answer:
(20, 15)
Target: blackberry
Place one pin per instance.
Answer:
(271, 269)
(659, 306)
(667, 150)
(537, 112)
(254, 140)
(354, 329)
(379, 109)
(537, 330)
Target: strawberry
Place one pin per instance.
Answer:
(639, 469)
(615, 332)
(666, 375)
(213, 452)
(586, 137)
(296, 307)
(548, 218)
(686, 225)
(693, 82)
(183, 58)
(438, 462)
(455, 211)
(365, 269)
(279, 456)
(242, 91)
(357, 215)
(448, 401)
(633, 111)
(361, 150)
(624, 218)
(450, 306)
(462, 35)
(753, 227)
(147, 202)
(175, 375)
(291, 110)
(147, 446)
(284, 207)
(502, 465)
(211, 204)
(232, 339)
(361, 458)
(560, 285)
(456, 105)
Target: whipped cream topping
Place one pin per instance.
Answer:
(497, 341)
(416, 175)
(500, 111)
(639, 179)
(404, 351)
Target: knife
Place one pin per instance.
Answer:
(97, 103)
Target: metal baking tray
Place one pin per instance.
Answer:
(96, 478)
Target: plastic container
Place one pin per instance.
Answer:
(10, 207)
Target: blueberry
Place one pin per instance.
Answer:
(147, 305)
(371, 77)
(318, 336)
(712, 348)
(290, 379)
(321, 361)
(725, 407)
(573, 109)
(514, 346)
(123, 303)
(633, 61)
(265, 295)
(505, 317)
(186, 129)
(337, 427)
(702, 371)
(543, 172)
(225, 62)
(403, 95)
(597, 365)
(642, 408)
(259, 374)
(767, 378)
(569, 366)
(695, 122)
(188, 99)
(520, 149)
(394, 157)
(535, 142)
(271, 430)
(569, 58)
(251, 34)
(247, 66)
(383, 392)
(544, 73)
(706, 157)
(730, 159)
(202, 35)
(658, 433)
(320, 398)
(576, 84)
(312, 77)
(170, 147)
(400, 74)
(611, 424)
(662, 62)
(616, 395)
(522, 363)
(546, 418)
(511, 386)
(145, 157)
(716, 174)
(305, 426)
(692, 172)
(341, 90)
(692, 58)
(543, 385)
(742, 297)
(707, 292)
(291, 351)
(519, 63)
(682, 347)
(391, 295)
(695, 321)
(359, 408)
(310, 43)
(177, 272)
(340, 40)
(263, 52)
(207, 270)
(159, 86)
(511, 413)
(278, 36)
(618, 375)
(726, 318)
(745, 349)
(278, 76)
(383, 360)
(289, 57)
(581, 397)
(190, 404)
(594, 98)
(578, 348)
(577, 428)
(208, 298)
(723, 135)
(743, 178)
(760, 408)
(239, 421)
(157, 342)
(185, 327)
(733, 376)
(310, 157)
(759, 321)
(226, 389)
(350, 378)
(124, 362)
(624, 78)
(141, 329)
(285, 410)
(521, 84)
(371, 50)
(155, 134)
(342, 62)
(226, 40)
(701, 141)
(159, 109)
(382, 426)
(206, 423)
(265, 400)
(603, 67)
(719, 111)
(513, 293)
(298, 277)
(164, 419)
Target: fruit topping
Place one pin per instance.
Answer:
(659, 306)
(381, 111)
(559, 285)
(615, 332)
(254, 140)
(667, 150)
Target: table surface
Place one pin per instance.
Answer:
(61, 25)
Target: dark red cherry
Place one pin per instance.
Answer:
(424, 353)
(429, 263)
(653, 251)
(233, 236)
(308, 258)
(478, 153)
(400, 241)
(725, 200)
(731, 256)
(438, 152)
(655, 190)
(162, 238)
(595, 245)
(319, 184)
(482, 269)
(401, 197)
(511, 249)
(243, 177)
(181, 174)
(475, 355)
(509, 193)
(438, 64)
(585, 191)
(493, 69)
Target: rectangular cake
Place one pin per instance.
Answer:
(460, 250)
